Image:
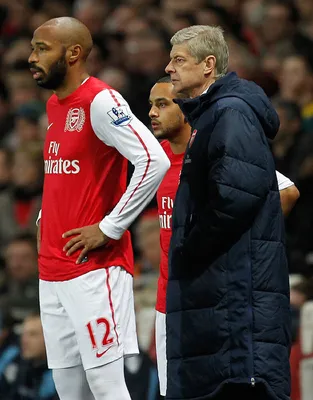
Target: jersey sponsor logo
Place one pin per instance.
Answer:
(75, 120)
(165, 217)
(120, 116)
(59, 165)
(192, 137)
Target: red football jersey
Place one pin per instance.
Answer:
(90, 136)
(165, 199)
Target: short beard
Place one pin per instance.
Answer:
(56, 75)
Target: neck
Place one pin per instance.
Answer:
(72, 83)
(178, 144)
(195, 92)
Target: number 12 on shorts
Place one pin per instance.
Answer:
(106, 340)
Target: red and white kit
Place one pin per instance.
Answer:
(165, 198)
(90, 136)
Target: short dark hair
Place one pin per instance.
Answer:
(165, 79)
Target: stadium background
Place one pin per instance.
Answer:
(271, 42)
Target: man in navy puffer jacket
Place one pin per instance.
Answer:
(228, 310)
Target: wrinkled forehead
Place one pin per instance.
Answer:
(180, 50)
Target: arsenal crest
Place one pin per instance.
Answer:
(192, 137)
(75, 119)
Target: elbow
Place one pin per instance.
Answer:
(293, 195)
(296, 194)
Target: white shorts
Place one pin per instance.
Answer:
(89, 320)
(160, 342)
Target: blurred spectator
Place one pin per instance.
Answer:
(27, 122)
(22, 293)
(147, 237)
(286, 143)
(9, 348)
(279, 28)
(22, 88)
(296, 84)
(6, 118)
(20, 204)
(27, 376)
(141, 377)
(95, 61)
(92, 13)
(300, 293)
(5, 168)
(305, 8)
(148, 241)
(117, 78)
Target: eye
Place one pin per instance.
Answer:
(162, 105)
(42, 49)
(179, 60)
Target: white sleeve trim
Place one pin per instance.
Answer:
(283, 181)
(116, 126)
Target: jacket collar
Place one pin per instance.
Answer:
(193, 108)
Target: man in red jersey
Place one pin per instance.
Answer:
(85, 252)
(168, 123)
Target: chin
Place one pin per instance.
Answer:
(160, 135)
(179, 90)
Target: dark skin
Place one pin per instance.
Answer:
(60, 48)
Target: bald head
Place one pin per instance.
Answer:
(69, 32)
(60, 48)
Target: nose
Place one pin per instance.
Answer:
(153, 113)
(33, 59)
(169, 68)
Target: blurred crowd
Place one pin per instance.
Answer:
(270, 42)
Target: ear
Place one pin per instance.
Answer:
(209, 65)
(75, 52)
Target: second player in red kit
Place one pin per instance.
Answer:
(168, 125)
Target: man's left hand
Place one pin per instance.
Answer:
(88, 237)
